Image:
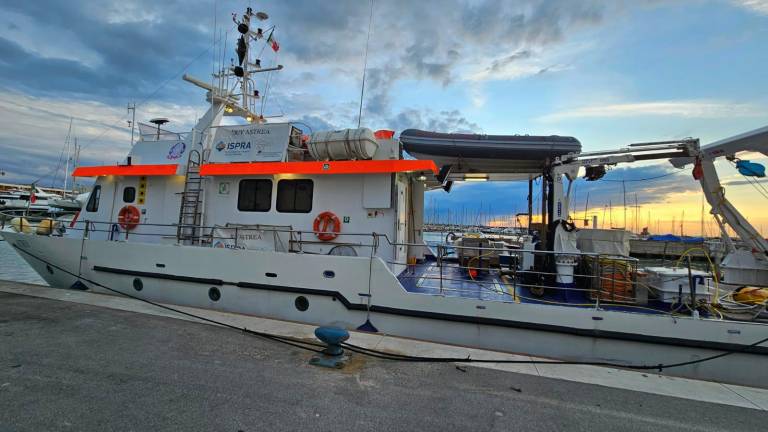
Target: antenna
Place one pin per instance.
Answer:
(132, 121)
(159, 122)
(586, 205)
(365, 68)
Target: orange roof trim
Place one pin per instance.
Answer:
(126, 170)
(330, 167)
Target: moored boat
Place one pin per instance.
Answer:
(327, 228)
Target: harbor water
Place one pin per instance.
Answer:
(13, 268)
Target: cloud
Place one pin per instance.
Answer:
(443, 121)
(759, 6)
(33, 130)
(679, 108)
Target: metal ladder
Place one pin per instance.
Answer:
(190, 210)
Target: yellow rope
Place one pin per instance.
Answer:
(711, 267)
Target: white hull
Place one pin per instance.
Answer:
(267, 284)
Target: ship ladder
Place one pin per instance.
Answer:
(190, 210)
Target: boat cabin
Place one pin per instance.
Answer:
(265, 187)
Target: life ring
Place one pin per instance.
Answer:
(322, 226)
(128, 217)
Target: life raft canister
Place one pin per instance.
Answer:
(327, 226)
(128, 218)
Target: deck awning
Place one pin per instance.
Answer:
(314, 167)
(126, 170)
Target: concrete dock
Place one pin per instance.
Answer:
(73, 360)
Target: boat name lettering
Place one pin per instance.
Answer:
(250, 132)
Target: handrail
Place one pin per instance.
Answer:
(600, 286)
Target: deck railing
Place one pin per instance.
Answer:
(597, 280)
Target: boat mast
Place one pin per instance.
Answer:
(67, 140)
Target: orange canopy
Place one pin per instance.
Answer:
(126, 170)
(313, 167)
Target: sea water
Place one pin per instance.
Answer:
(13, 268)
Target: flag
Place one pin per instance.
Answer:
(273, 42)
(32, 197)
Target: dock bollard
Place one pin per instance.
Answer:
(333, 355)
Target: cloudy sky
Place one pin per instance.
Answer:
(608, 72)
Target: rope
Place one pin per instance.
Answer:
(365, 67)
(647, 178)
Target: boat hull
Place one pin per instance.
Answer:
(268, 284)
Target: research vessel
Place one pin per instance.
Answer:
(327, 227)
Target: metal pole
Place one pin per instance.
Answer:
(530, 202)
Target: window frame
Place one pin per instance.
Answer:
(295, 182)
(92, 206)
(256, 209)
(133, 196)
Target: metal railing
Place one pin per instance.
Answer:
(597, 280)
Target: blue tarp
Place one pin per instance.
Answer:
(751, 169)
(674, 238)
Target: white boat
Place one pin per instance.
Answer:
(26, 200)
(72, 204)
(261, 220)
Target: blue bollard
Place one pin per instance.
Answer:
(333, 355)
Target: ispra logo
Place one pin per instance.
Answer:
(221, 146)
(239, 146)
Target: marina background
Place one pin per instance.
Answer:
(568, 68)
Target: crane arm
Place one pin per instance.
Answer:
(569, 165)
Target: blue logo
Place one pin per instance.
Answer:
(221, 146)
(177, 150)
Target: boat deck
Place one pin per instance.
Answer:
(453, 281)
(430, 278)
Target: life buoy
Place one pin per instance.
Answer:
(128, 217)
(327, 226)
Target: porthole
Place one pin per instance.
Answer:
(330, 274)
(301, 303)
(48, 267)
(138, 285)
(214, 294)
(270, 275)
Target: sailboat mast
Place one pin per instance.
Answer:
(67, 140)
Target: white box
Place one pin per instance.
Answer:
(666, 283)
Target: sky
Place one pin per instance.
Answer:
(608, 72)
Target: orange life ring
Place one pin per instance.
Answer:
(322, 226)
(129, 217)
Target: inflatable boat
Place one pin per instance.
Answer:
(487, 153)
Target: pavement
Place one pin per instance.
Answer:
(91, 362)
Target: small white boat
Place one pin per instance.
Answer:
(26, 200)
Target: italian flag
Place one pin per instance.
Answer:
(273, 42)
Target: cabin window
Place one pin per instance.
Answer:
(129, 194)
(93, 201)
(294, 196)
(255, 195)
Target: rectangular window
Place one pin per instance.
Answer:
(255, 195)
(129, 194)
(294, 196)
(93, 200)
